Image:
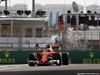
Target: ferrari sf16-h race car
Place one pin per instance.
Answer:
(49, 56)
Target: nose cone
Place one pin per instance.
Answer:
(44, 58)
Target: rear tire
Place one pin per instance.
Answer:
(65, 59)
(58, 57)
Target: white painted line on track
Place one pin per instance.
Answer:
(8, 68)
(4, 67)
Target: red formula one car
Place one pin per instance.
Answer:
(52, 55)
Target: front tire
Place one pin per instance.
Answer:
(31, 58)
(58, 57)
(31, 64)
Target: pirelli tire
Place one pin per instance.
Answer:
(31, 58)
(65, 58)
(59, 58)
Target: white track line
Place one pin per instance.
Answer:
(4, 67)
(8, 68)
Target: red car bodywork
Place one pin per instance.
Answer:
(44, 55)
(51, 55)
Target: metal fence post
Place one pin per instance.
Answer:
(64, 32)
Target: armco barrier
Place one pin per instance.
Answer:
(76, 57)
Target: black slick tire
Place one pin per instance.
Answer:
(65, 59)
(31, 58)
(58, 57)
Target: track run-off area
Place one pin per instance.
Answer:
(75, 69)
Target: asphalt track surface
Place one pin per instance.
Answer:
(71, 69)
